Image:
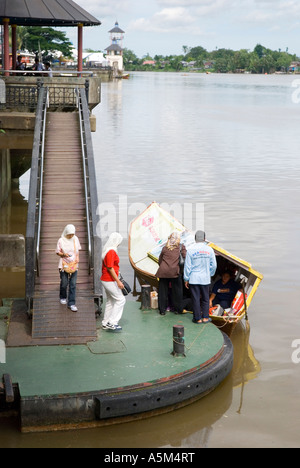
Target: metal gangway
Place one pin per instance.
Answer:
(62, 191)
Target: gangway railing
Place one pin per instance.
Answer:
(35, 199)
(91, 195)
(26, 96)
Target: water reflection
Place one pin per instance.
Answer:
(13, 217)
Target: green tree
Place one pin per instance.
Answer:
(48, 40)
(259, 50)
(284, 61)
(186, 50)
(196, 53)
(175, 62)
(240, 60)
(129, 57)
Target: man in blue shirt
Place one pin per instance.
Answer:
(200, 265)
(224, 291)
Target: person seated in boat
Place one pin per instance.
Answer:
(224, 291)
(169, 274)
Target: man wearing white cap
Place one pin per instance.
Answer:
(200, 265)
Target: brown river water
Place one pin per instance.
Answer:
(228, 144)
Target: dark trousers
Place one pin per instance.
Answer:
(65, 281)
(200, 300)
(177, 291)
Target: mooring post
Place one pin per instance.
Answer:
(146, 302)
(178, 340)
(8, 388)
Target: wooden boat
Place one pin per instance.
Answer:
(147, 236)
(122, 76)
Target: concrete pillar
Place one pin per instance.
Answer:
(5, 175)
(12, 250)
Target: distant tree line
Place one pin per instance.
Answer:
(48, 41)
(260, 60)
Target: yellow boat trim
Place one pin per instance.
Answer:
(238, 260)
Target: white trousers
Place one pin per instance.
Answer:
(114, 303)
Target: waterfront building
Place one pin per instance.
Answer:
(115, 50)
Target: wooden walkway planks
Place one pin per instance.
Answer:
(63, 203)
(53, 320)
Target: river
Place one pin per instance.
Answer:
(228, 144)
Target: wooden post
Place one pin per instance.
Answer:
(8, 389)
(80, 48)
(6, 45)
(146, 303)
(178, 340)
(14, 46)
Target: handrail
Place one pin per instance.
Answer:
(32, 200)
(95, 238)
(42, 154)
(85, 176)
(45, 73)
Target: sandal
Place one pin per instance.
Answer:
(207, 320)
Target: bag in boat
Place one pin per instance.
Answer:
(216, 311)
(237, 304)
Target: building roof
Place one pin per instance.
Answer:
(45, 13)
(114, 47)
(149, 62)
(93, 57)
(116, 29)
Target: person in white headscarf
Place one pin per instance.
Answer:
(67, 249)
(113, 286)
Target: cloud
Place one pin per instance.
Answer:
(201, 7)
(105, 8)
(186, 3)
(176, 20)
(270, 11)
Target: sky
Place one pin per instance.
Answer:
(163, 27)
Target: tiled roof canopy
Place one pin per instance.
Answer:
(45, 13)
